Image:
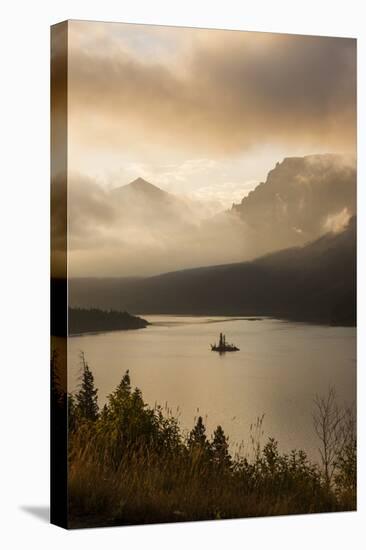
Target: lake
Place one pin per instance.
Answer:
(279, 369)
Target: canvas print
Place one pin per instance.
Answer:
(203, 351)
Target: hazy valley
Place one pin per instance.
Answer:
(287, 250)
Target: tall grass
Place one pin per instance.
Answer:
(132, 464)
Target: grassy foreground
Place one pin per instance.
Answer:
(132, 464)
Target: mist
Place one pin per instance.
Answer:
(141, 230)
(127, 232)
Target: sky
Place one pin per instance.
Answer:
(203, 113)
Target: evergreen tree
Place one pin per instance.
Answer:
(104, 413)
(118, 400)
(220, 448)
(86, 398)
(124, 386)
(197, 438)
(128, 423)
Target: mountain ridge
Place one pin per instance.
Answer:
(315, 283)
(301, 199)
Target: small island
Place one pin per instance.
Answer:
(97, 320)
(223, 345)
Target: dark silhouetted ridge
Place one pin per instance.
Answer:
(96, 320)
(314, 283)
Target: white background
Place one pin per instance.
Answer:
(24, 218)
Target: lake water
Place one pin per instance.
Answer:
(279, 369)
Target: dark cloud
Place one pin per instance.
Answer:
(90, 211)
(217, 94)
(233, 91)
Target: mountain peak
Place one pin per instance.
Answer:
(142, 189)
(148, 189)
(141, 186)
(140, 182)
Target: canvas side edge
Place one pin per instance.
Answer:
(58, 283)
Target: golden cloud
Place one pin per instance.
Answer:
(225, 93)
